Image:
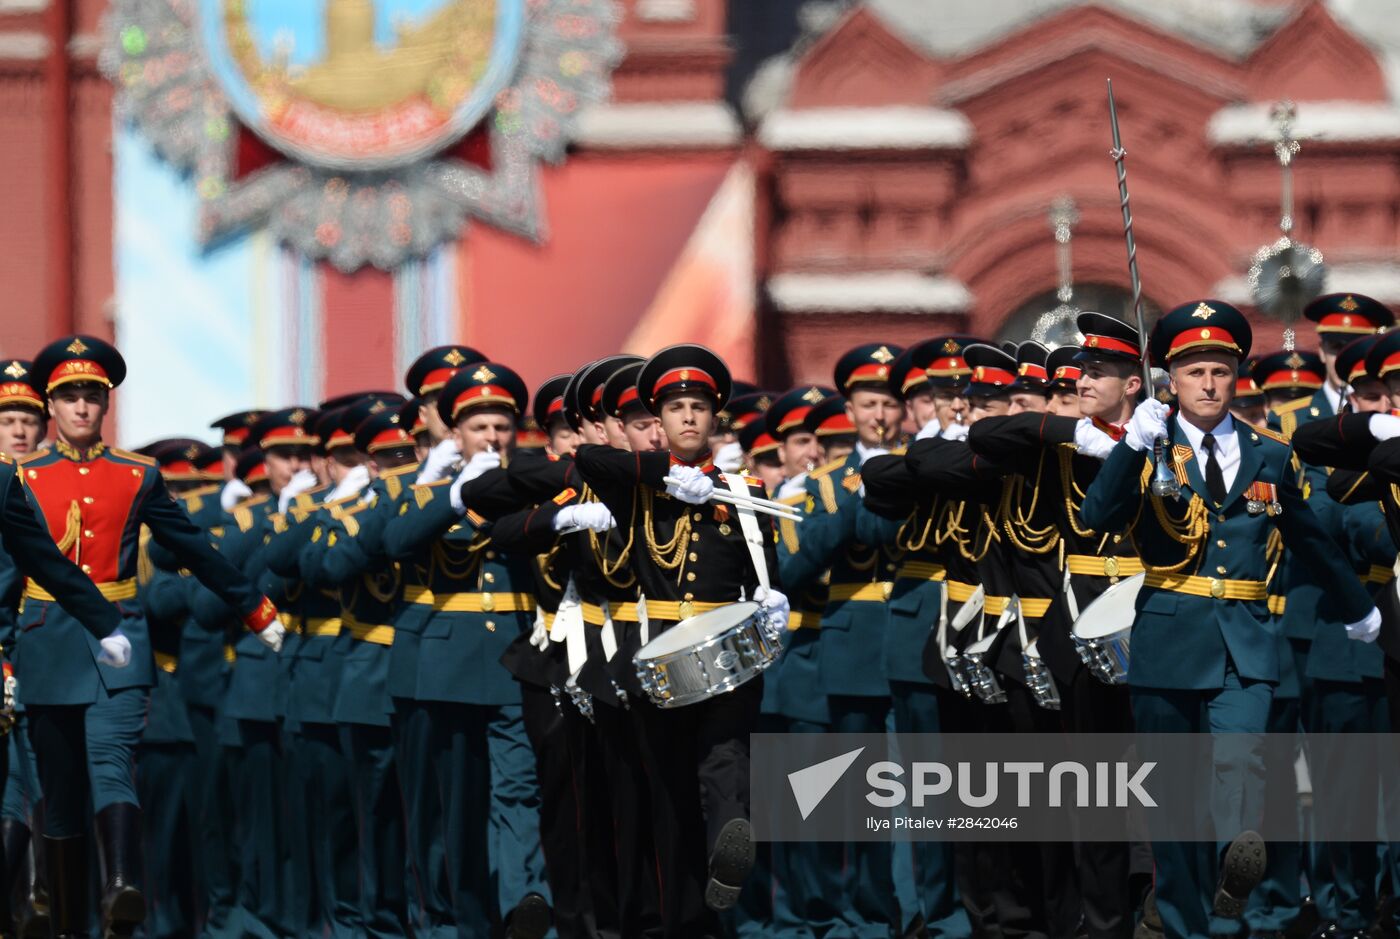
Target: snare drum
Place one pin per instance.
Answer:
(1039, 679)
(706, 655)
(1102, 630)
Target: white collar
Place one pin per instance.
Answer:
(866, 453)
(1224, 432)
(1334, 397)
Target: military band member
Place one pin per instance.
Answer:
(94, 500)
(1249, 404)
(1031, 390)
(1206, 554)
(761, 457)
(1340, 318)
(480, 602)
(689, 557)
(1064, 369)
(799, 452)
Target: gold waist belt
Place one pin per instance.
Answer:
(1091, 565)
(621, 613)
(329, 626)
(1035, 607)
(804, 620)
(958, 591)
(684, 609)
(921, 570)
(1214, 587)
(474, 602)
(166, 662)
(369, 632)
(1277, 605)
(113, 590)
(878, 591)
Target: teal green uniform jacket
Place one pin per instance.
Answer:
(1181, 641)
(479, 599)
(1371, 552)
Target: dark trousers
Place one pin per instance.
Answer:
(811, 874)
(323, 772)
(378, 808)
(163, 781)
(58, 736)
(870, 907)
(428, 900)
(618, 772)
(1104, 867)
(211, 795)
(262, 828)
(697, 764)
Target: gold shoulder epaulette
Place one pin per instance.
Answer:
(1272, 435)
(5, 459)
(827, 488)
(305, 500)
(200, 492)
(827, 469)
(1287, 424)
(243, 516)
(136, 457)
(31, 457)
(399, 471)
(795, 499)
(393, 486)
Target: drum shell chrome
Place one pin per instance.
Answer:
(717, 663)
(1106, 657)
(1103, 629)
(1039, 679)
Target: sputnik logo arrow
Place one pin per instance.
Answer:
(811, 784)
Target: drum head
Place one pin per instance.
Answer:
(981, 645)
(697, 629)
(1112, 612)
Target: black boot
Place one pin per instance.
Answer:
(14, 845)
(68, 885)
(33, 883)
(119, 846)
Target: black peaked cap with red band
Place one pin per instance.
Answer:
(933, 363)
(549, 401)
(182, 459)
(870, 367)
(431, 370)
(78, 359)
(289, 427)
(1246, 388)
(1107, 337)
(993, 370)
(620, 393)
(382, 430)
(1031, 372)
(411, 417)
(356, 414)
(756, 441)
(484, 384)
(250, 467)
(1064, 368)
(684, 368)
(1384, 356)
(829, 419)
(17, 387)
(747, 409)
(1200, 326)
(583, 398)
(1352, 360)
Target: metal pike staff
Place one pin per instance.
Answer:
(1163, 478)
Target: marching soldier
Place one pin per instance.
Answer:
(1206, 555)
(479, 603)
(1031, 389)
(94, 500)
(696, 559)
(423, 803)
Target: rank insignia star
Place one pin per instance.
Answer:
(483, 374)
(813, 396)
(77, 346)
(1294, 361)
(883, 355)
(1203, 311)
(454, 358)
(951, 347)
(1349, 304)
(297, 417)
(16, 371)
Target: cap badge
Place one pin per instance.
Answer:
(393, 419)
(376, 407)
(77, 346)
(16, 371)
(1349, 304)
(454, 358)
(1205, 334)
(951, 347)
(1091, 342)
(1346, 320)
(191, 452)
(1203, 311)
(685, 374)
(813, 396)
(297, 417)
(483, 374)
(977, 373)
(1294, 361)
(764, 403)
(883, 355)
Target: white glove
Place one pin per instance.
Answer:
(369, 498)
(116, 650)
(691, 485)
(234, 492)
(797, 485)
(303, 481)
(355, 479)
(272, 635)
(1149, 422)
(440, 457)
(955, 432)
(591, 515)
(929, 430)
(539, 636)
(483, 461)
(1384, 426)
(1368, 629)
(11, 692)
(775, 609)
(730, 458)
(1092, 441)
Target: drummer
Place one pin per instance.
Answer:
(689, 557)
(1063, 455)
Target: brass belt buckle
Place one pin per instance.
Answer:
(1110, 567)
(1217, 588)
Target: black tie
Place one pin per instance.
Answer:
(1215, 479)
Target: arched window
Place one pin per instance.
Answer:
(1045, 318)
